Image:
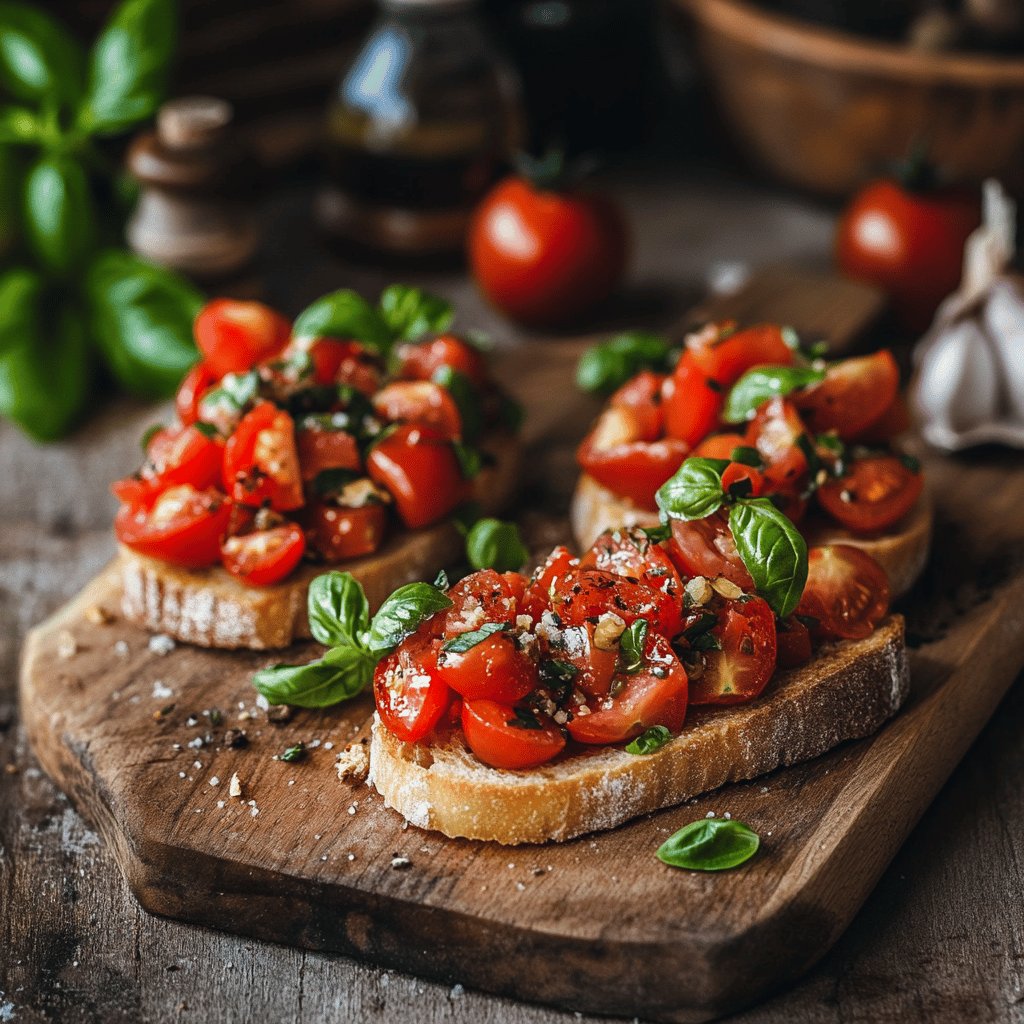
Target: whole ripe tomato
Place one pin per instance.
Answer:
(908, 242)
(545, 257)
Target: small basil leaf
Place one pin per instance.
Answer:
(59, 218)
(772, 550)
(711, 844)
(656, 534)
(631, 648)
(206, 429)
(402, 614)
(411, 312)
(470, 460)
(341, 674)
(759, 385)
(19, 126)
(240, 388)
(339, 614)
(294, 753)
(129, 66)
(20, 293)
(495, 544)
(441, 580)
(467, 641)
(343, 314)
(466, 399)
(649, 740)
(607, 366)
(39, 60)
(524, 718)
(747, 456)
(695, 492)
(330, 481)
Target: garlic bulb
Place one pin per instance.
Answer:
(969, 384)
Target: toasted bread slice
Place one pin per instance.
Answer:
(846, 692)
(210, 608)
(901, 551)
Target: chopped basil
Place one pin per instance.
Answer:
(467, 641)
(656, 534)
(295, 753)
(711, 844)
(649, 741)
(206, 429)
(558, 676)
(148, 436)
(239, 388)
(441, 580)
(495, 544)
(605, 367)
(695, 491)
(524, 718)
(762, 383)
(702, 627)
(912, 463)
(747, 456)
(470, 460)
(330, 481)
(631, 648)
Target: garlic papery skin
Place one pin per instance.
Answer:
(969, 385)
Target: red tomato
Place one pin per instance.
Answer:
(583, 595)
(326, 449)
(195, 384)
(234, 336)
(484, 596)
(341, 362)
(544, 257)
(421, 360)
(485, 724)
(410, 695)
(893, 422)
(594, 666)
(537, 598)
(183, 526)
(692, 403)
(494, 669)
(724, 357)
(340, 533)
(630, 554)
(876, 494)
(847, 592)
(719, 446)
(261, 463)
(749, 480)
(419, 402)
(792, 643)
(909, 243)
(774, 432)
(742, 668)
(656, 695)
(854, 394)
(642, 394)
(705, 547)
(264, 557)
(174, 455)
(419, 468)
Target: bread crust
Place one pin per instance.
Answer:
(210, 608)
(901, 551)
(846, 692)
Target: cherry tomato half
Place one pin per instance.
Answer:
(339, 533)
(319, 449)
(642, 394)
(174, 455)
(489, 734)
(854, 394)
(493, 669)
(720, 446)
(847, 592)
(419, 402)
(264, 557)
(704, 547)
(792, 643)
(876, 494)
(583, 595)
(421, 360)
(537, 598)
(410, 695)
(484, 596)
(194, 385)
(775, 431)
(261, 463)
(234, 336)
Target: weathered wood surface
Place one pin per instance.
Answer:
(940, 939)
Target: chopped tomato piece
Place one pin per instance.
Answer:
(183, 526)
(265, 556)
(586, 594)
(484, 596)
(320, 449)
(720, 446)
(595, 666)
(234, 336)
(504, 738)
(174, 455)
(692, 402)
(421, 360)
(537, 598)
(854, 394)
(742, 480)
(493, 669)
(642, 394)
(194, 385)
(339, 533)
(419, 468)
(704, 547)
(341, 362)
(420, 402)
(792, 643)
(261, 464)
(847, 592)
(655, 695)
(410, 695)
(724, 357)
(875, 494)
(740, 670)
(893, 422)
(775, 431)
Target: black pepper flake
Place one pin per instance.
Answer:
(163, 712)
(279, 714)
(236, 739)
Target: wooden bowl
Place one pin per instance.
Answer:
(825, 110)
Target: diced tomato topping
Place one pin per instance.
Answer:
(234, 336)
(775, 431)
(195, 384)
(705, 547)
(720, 446)
(419, 402)
(846, 594)
(410, 695)
(742, 480)
(493, 669)
(495, 733)
(340, 533)
(340, 362)
(642, 394)
(421, 360)
(264, 557)
(854, 394)
(320, 449)
(587, 594)
(261, 463)
(482, 597)
(174, 455)
(874, 495)
(537, 598)
(792, 643)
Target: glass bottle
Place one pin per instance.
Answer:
(422, 123)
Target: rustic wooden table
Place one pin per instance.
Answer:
(941, 939)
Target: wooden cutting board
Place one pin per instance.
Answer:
(138, 739)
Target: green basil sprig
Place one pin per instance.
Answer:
(495, 544)
(770, 546)
(649, 740)
(607, 366)
(762, 383)
(339, 618)
(711, 844)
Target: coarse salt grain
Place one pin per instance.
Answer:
(161, 643)
(214, 780)
(67, 645)
(161, 691)
(234, 786)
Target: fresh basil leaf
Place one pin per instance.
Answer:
(649, 740)
(19, 126)
(747, 456)
(711, 844)
(20, 294)
(631, 648)
(206, 429)
(495, 544)
(466, 399)
(524, 718)
(129, 66)
(147, 436)
(695, 492)
(772, 550)
(467, 641)
(330, 481)
(706, 622)
(39, 60)
(402, 614)
(142, 318)
(340, 674)
(656, 534)
(762, 383)
(608, 366)
(470, 460)
(294, 753)
(411, 312)
(59, 218)
(441, 580)
(339, 614)
(344, 314)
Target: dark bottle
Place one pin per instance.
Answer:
(423, 122)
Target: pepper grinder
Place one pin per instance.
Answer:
(189, 216)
